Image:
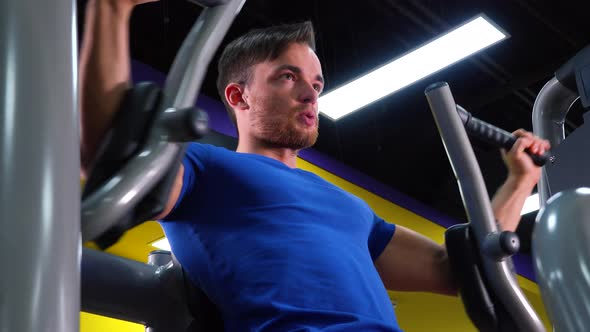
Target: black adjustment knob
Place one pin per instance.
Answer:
(198, 123)
(184, 124)
(509, 242)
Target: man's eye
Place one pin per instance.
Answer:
(288, 76)
(318, 88)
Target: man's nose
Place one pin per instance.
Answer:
(308, 94)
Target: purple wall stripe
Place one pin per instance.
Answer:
(219, 121)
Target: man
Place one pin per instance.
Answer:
(277, 248)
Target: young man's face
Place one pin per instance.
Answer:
(282, 95)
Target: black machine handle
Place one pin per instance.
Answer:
(494, 135)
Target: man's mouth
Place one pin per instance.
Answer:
(308, 117)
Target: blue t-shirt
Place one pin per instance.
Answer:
(277, 248)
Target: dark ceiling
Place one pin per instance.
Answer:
(395, 140)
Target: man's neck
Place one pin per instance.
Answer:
(285, 155)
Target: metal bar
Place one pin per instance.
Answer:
(191, 62)
(39, 167)
(108, 204)
(120, 288)
(148, 294)
(477, 205)
(209, 3)
(549, 112)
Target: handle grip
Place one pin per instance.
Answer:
(495, 135)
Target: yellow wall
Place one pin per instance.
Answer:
(95, 323)
(415, 311)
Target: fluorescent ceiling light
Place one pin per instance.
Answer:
(530, 204)
(445, 50)
(162, 244)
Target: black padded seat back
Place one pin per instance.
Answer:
(465, 266)
(128, 133)
(207, 317)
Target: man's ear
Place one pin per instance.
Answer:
(234, 94)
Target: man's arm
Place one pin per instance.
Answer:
(412, 262)
(105, 75)
(523, 175)
(104, 71)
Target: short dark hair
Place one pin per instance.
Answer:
(256, 46)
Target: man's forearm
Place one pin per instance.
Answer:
(104, 71)
(509, 200)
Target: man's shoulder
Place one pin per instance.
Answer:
(204, 155)
(206, 150)
(196, 146)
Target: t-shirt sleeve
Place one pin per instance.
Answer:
(379, 237)
(194, 162)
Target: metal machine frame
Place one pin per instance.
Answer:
(562, 230)
(40, 288)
